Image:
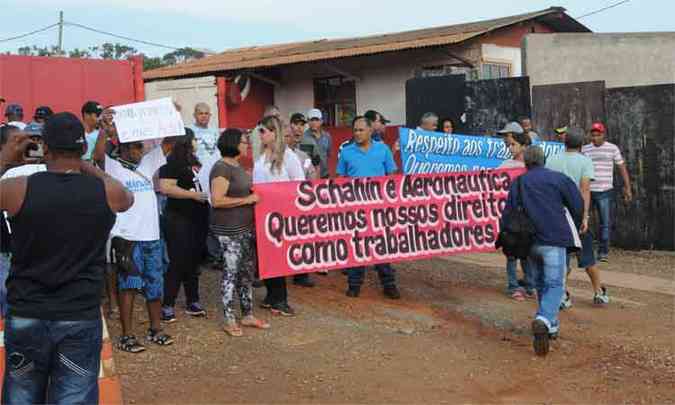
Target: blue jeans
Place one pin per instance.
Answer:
(386, 273)
(51, 361)
(5, 264)
(602, 202)
(549, 265)
(512, 277)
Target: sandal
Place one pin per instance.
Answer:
(233, 330)
(159, 338)
(253, 322)
(129, 344)
(518, 296)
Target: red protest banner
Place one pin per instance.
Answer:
(304, 227)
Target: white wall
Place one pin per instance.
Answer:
(187, 93)
(621, 60)
(495, 53)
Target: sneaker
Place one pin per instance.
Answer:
(129, 344)
(304, 282)
(566, 301)
(195, 309)
(392, 292)
(541, 337)
(282, 309)
(168, 315)
(353, 292)
(265, 304)
(601, 298)
(603, 258)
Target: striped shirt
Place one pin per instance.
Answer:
(604, 158)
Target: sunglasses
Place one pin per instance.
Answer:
(263, 129)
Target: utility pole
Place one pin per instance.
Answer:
(60, 32)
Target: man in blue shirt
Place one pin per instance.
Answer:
(554, 205)
(365, 158)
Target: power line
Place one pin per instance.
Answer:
(602, 9)
(29, 33)
(119, 36)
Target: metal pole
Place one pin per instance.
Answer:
(61, 32)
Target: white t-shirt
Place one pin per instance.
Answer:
(25, 170)
(291, 170)
(141, 221)
(91, 138)
(18, 124)
(205, 172)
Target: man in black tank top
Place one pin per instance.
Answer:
(60, 222)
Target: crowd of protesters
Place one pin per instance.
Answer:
(153, 212)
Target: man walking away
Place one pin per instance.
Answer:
(53, 333)
(545, 196)
(579, 168)
(316, 136)
(365, 158)
(605, 155)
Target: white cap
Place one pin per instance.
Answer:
(314, 113)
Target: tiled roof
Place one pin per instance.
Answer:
(283, 54)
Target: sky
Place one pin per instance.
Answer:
(218, 25)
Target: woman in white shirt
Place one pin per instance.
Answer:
(277, 163)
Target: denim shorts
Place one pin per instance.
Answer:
(148, 278)
(586, 256)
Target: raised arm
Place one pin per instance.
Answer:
(119, 198)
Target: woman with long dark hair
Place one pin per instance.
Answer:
(186, 211)
(276, 163)
(232, 222)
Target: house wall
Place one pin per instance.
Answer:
(621, 60)
(187, 93)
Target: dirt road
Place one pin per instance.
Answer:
(454, 337)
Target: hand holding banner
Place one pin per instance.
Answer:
(317, 225)
(148, 120)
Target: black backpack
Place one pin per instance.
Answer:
(517, 236)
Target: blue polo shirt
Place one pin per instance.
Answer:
(376, 161)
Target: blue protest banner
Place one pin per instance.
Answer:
(425, 152)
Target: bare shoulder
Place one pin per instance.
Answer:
(13, 193)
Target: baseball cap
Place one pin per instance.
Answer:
(372, 115)
(13, 109)
(92, 107)
(561, 130)
(597, 126)
(43, 112)
(314, 114)
(512, 127)
(64, 131)
(33, 129)
(298, 117)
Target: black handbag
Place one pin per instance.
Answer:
(517, 236)
(122, 253)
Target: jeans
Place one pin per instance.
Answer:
(51, 361)
(602, 202)
(512, 277)
(5, 264)
(549, 265)
(386, 273)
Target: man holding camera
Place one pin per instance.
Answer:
(53, 331)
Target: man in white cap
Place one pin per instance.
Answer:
(319, 139)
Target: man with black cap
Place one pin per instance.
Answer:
(91, 111)
(14, 115)
(53, 332)
(41, 115)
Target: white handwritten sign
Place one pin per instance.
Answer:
(148, 120)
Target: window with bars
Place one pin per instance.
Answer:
(493, 70)
(336, 97)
